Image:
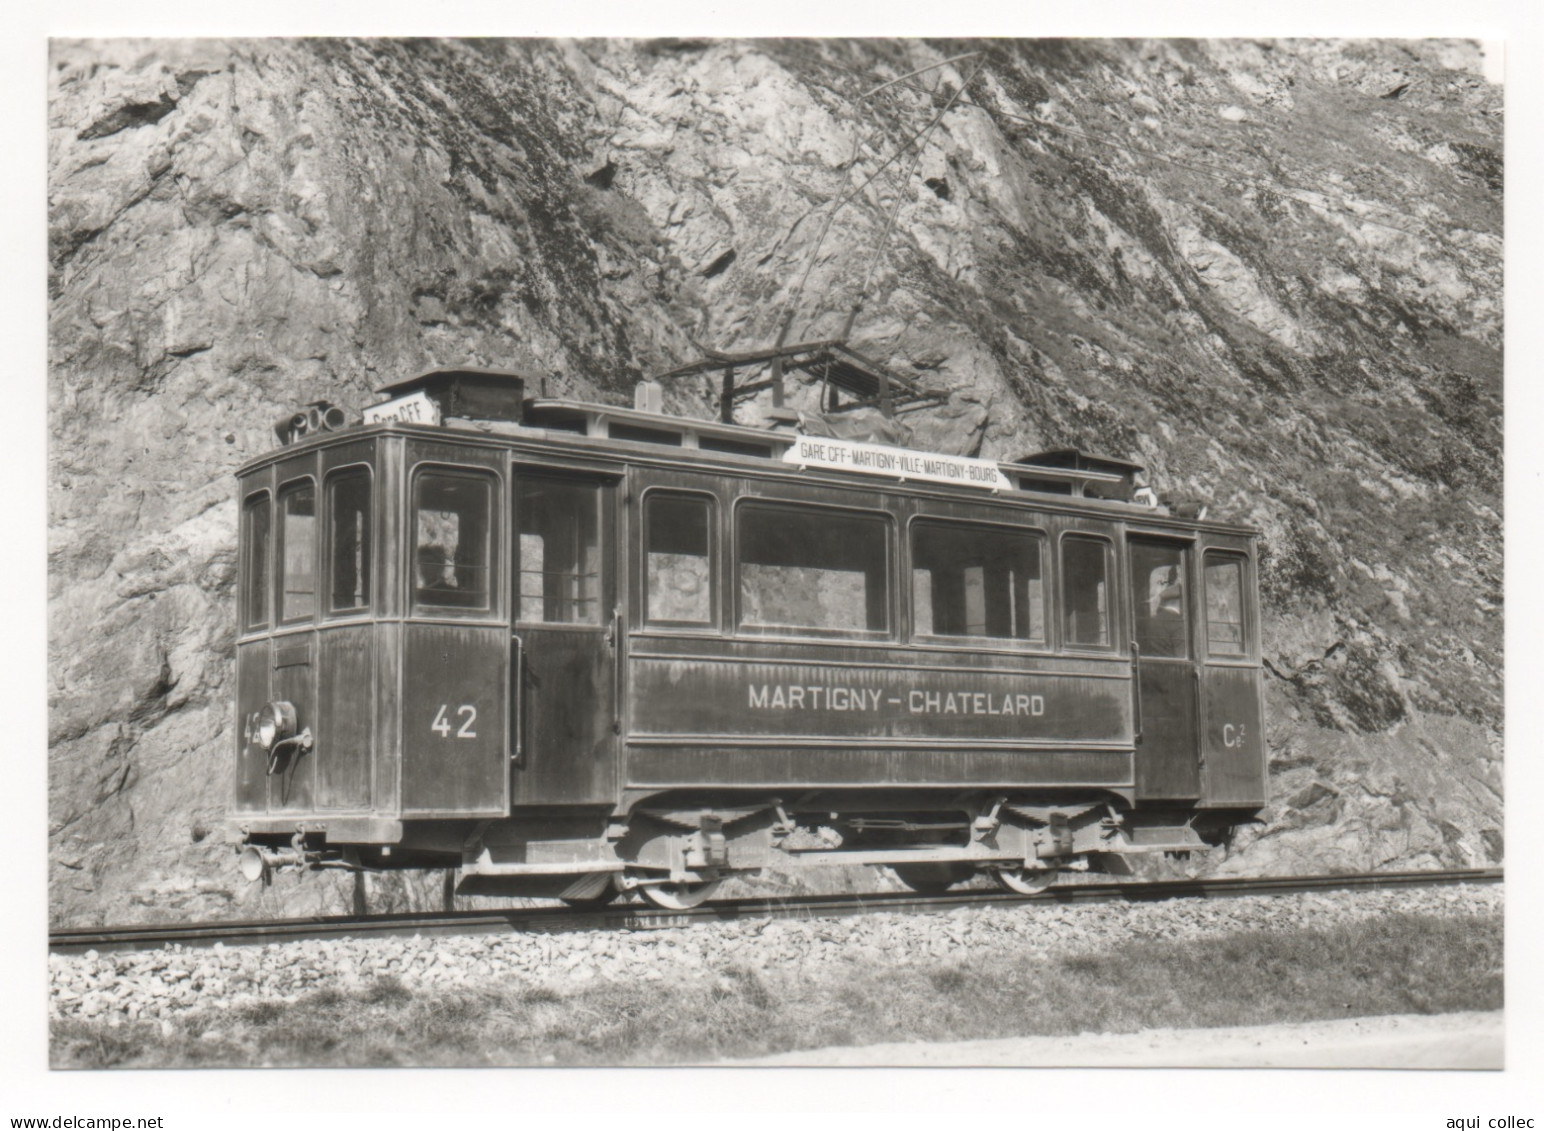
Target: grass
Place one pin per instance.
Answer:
(1394, 964)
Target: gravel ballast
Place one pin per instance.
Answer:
(174, 981)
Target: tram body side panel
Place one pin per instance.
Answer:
(1234, 750)
(450, 553)
(566, 555)
(254, 664)
(292, 785)
(386, 767)
(727, 766)
(1159, 599)
(1234, 766)
(566, 716)
(386, 749)
(744, 717)
(721, 706)
(455, 721)
(352, 499)
(1167, 762)
(346, 716)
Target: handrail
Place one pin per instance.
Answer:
(1136, 694)
(516, 701)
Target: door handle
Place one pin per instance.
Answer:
(615, 635)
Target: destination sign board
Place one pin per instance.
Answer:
(415, 408)
(896, 463)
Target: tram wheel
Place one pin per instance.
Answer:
(930, 879)
(601, 898)
(1025, 881)
(678, 897)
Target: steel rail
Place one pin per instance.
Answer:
(636, 917)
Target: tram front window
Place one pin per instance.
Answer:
(297, 561)
(256, 595)
(348, 504)
(453, 514)
(813, 569)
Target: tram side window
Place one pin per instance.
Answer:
(815, 569)
(1085, 591)
(559, 551)
(348, 508)
(677, 559)
(976, 581)
(257, 517)
(1158, 593)
(297, 552)
(1224, 605)
(452, 523)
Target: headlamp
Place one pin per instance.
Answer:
(273, 730)
(275, 722)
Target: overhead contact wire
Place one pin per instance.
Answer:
(849, 197)
(916, 159)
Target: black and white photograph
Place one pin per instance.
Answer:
(725, 556)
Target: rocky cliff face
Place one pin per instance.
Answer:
(1271, 271)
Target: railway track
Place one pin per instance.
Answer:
(637, 917)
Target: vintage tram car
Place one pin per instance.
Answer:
(572, 649)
